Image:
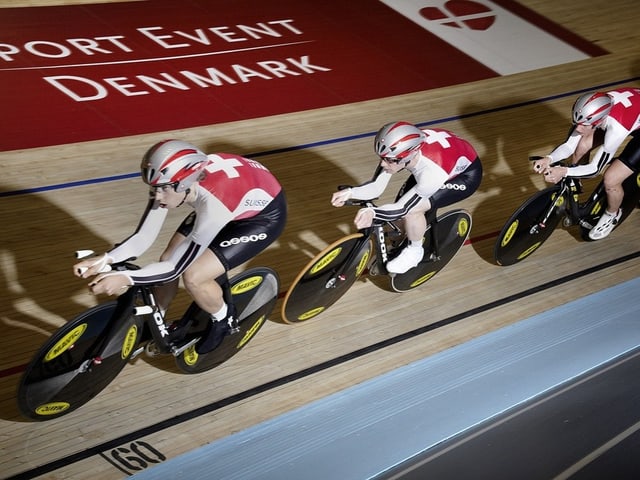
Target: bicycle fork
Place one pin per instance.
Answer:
(561, 196)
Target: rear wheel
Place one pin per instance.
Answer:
(452, 231)
(255, 293)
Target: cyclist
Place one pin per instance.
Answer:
(444, 170)
(601, 120)
(239, 209)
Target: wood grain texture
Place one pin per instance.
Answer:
(287, 366)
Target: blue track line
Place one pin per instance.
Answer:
(305, 146)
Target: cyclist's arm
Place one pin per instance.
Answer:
(399, 209)
(565, 149)
(211, 217)
(144, 236)
(613, 138)
(430, 179)
(373, 188)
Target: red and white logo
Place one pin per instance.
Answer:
(489, 33)
(461, 14)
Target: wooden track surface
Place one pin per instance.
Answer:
(286, 366)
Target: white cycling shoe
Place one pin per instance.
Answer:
(408, 258)
(605, 225)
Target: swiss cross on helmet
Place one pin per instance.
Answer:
(173, 162)
(394, 141)
(591, 108)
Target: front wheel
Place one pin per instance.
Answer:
(78, 361)
(254, 293)
(326, 278)
(452, 230)
(525, 231)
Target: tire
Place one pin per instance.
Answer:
(316, 287)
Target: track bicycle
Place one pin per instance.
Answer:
(536, 219)
(328, 276)
(83, 356)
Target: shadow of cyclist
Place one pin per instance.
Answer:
(38, 293)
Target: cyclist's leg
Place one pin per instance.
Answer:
(414, 225)
(453, 191)
(625, 165)
(620, 169)
(458, 188)
(167, 292)
(236, 243)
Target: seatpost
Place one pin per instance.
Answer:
(432, 221)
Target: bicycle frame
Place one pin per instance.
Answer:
(377, 234)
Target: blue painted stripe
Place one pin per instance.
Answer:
(366, 429)
(337, 140)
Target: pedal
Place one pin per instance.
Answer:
(374, 269)
(175, 351)
(234, 327)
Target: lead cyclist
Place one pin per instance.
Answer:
(238, 210)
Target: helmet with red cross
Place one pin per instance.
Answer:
(591, 108)
(396, 140)
(173, 162)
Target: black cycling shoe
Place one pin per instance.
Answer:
(177, 331)
(216, 331)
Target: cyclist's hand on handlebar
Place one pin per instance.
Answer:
(339, 198)
(541, 165)
(364, 218)
(92, 266)
(555, 174)
(110, 283)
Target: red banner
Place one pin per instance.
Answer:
(78, 73)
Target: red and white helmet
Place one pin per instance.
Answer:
(173, 162)
(591, 108)
(394, 141)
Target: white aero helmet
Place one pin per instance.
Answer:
(394, 141)
(173, 162)
(591, 108)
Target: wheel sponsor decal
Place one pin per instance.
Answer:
(66, 342)
(363, 263)
(423, 279)
(129, 341)
(529, 250)
(310, 313)
(463, 227)
(246, 285)
(190, 356)
(53, 408)
(326, 260)
(250, 332)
